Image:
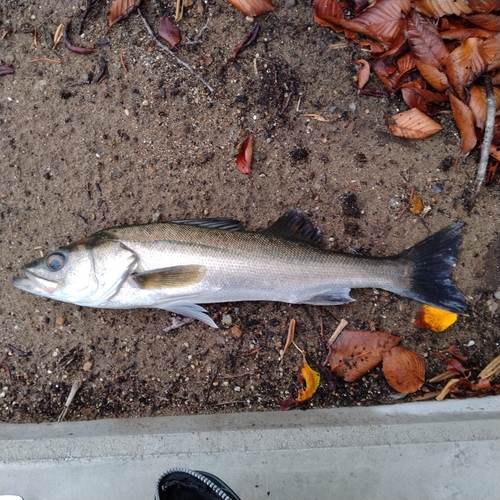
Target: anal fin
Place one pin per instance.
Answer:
(330, 298)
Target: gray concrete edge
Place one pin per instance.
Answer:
(263, 449)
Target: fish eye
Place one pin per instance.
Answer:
(55, 261)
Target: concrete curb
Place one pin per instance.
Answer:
(406, 451)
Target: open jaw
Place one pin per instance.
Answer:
(35, 284)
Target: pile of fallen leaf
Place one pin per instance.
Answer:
(434, 52)
(353, 353)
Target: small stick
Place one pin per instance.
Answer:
(177, 323)
(74, 389)
(123, 63)
(46, 59)
(337, 332)
(168, 51)
(446, 389)
(491, 370)
(487, 140)
(289, 338)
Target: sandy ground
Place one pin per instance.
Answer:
(154, 144)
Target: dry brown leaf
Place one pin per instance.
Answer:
(440, 8)
(364, 73)
(58, 35)
(432, 318)
(490, 22)
(413, 124)
(465, 33)
(426, 44)
(465, 64)
(403, 369)
(387, 73)
(356, 352)
(120, 9)
(317, 117)
(244, 158)
(253, 8)
(169, 31)
(425, 100)
(433, 76)
(491, 50)
(464, 119)
(477, 104)
(495, 152)
(484, 6)
(406, 63)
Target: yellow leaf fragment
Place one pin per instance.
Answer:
(435, 319)
(58, 35)
(416, 205)
(311, 379)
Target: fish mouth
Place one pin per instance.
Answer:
(35, 284)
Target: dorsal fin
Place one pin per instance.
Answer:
(214, 223)
(295, 225)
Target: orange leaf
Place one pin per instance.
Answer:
(416, 205)
(425, 100)
(426, 45)
(433, 76)
(413, 124)
(356, 352)
(477, 104)
(465, 64)
(364, 73)
(432, 318)
(465, 122)
(120, 9)
(465, 33)
(169, 31)
(495, 152)
(440, 8)
(403, 369)
(491, 50)
(311, 379)
(244, 158)
(387, 73)
(253, 8)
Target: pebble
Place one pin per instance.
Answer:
(2, 394)
(117, 174)
(227, 320)
(497, 294)
(61, 320)
(352, 106)
(237, 388)
(145, 103)
(237, 332)
(86, 78)
(289, 3)
(40, 85)
(87, 366)
(438, 188)
(471, 343)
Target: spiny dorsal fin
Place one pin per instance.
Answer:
(214, 223)
(295, 225)
(169, 277)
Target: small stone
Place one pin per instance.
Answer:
(40, 85)
(227, 320)
(117, 174)
(237, 388)
(237, 332)
(289, 3)
(497, 295)
(352, 106)
(471, 343)
(2, 394)
(61, 320)
(438, 188)
(86, 78)
(145, 103)
(87, 366)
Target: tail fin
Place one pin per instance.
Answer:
(433, 260)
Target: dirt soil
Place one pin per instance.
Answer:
(154, 144)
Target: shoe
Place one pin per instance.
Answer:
(185, 484)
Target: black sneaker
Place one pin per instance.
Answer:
(185, 484)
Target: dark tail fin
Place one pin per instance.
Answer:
(433, 260)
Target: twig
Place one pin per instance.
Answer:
(337, 332)
(487, 140)
(168, 51)
(74, 389)
(177, 322)
(289, 339)
(2, 359)
(123, 63)
(46, 59)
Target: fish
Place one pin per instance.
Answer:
(180, 264)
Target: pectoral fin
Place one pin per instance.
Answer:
(330, 298)
(170, 277)
(191, 311)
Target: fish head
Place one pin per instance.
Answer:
(87, 273)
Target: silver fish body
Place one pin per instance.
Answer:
(178, 265)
